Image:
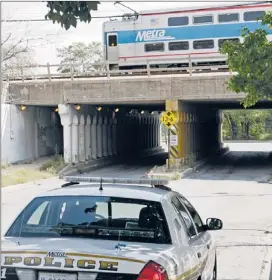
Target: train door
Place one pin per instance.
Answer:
(112, 48)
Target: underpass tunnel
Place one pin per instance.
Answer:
(93, 132)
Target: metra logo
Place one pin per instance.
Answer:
(53, 254)
(152, 35)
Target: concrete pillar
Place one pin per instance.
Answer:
(65, 112)
(99, 136)
(81, 140)
(75, 142)
(193, 136)
(93, 137)
(105, 136)
(145, 132)
(114, 136)
(110, 139)
(88, 151)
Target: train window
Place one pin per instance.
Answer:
(253, 16)
(203, 19)
(228, 17)
(178, 46)
(203, 44)
(178, 21)
(112, 40)
(221, 41)
(154, 47)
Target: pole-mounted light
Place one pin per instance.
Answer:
(22, 107)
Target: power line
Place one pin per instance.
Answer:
(37, 20)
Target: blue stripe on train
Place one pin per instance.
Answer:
(187, 33)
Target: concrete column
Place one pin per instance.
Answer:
(93, 137)
(114, 136)
(190, 152)
(81, 135)
(145, 132)
(153, 131)
(193, 136)
(75, 142)
(110, 139)
(105, 136)
(99, 136)
(88, 151)
(65, 112)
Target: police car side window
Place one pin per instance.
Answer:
(184, 216)
(195, 216)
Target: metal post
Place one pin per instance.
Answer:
(22, 73)
(148, 68)
(168, 148)
(108, 69)
(48, 71)
(190, 65)
(72, 72)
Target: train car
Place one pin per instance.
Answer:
(170, 38)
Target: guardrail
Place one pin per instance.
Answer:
(102, 69)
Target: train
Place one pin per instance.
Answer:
(177, 37)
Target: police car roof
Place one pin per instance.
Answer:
(114, 190)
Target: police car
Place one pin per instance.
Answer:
(110, 229)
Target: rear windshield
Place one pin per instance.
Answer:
(109, 218)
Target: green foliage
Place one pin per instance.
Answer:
(68, 12)
(247, 124)
(79, 53)
(252, 59)
(53, 165)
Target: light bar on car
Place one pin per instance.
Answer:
(86, 179)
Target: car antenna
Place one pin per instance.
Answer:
(101, 187)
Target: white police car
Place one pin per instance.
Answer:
(113, 230)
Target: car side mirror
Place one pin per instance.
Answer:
(214, 224)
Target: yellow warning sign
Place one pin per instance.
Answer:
(169, 118)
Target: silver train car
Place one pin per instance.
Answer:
(170, 38)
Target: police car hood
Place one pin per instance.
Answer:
(127, 257)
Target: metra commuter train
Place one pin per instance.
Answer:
(167, 38)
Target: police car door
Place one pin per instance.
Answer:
(201, 241)
(112, 48)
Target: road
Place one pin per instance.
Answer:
(227, 187)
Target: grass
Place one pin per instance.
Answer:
(13, 175)
(53, 165)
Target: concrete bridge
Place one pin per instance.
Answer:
(109, 116)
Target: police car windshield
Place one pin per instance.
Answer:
(110, 218)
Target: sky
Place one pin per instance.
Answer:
(54, 36)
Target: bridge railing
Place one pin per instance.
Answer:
(100, 69)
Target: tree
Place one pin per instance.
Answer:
(252, 60)
(80, 53)
(68, 12)
(246, 124)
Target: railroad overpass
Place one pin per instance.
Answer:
(105, 116)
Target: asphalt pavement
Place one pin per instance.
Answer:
(230, 187)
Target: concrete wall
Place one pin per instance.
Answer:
(29, 134)
(124, 90)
